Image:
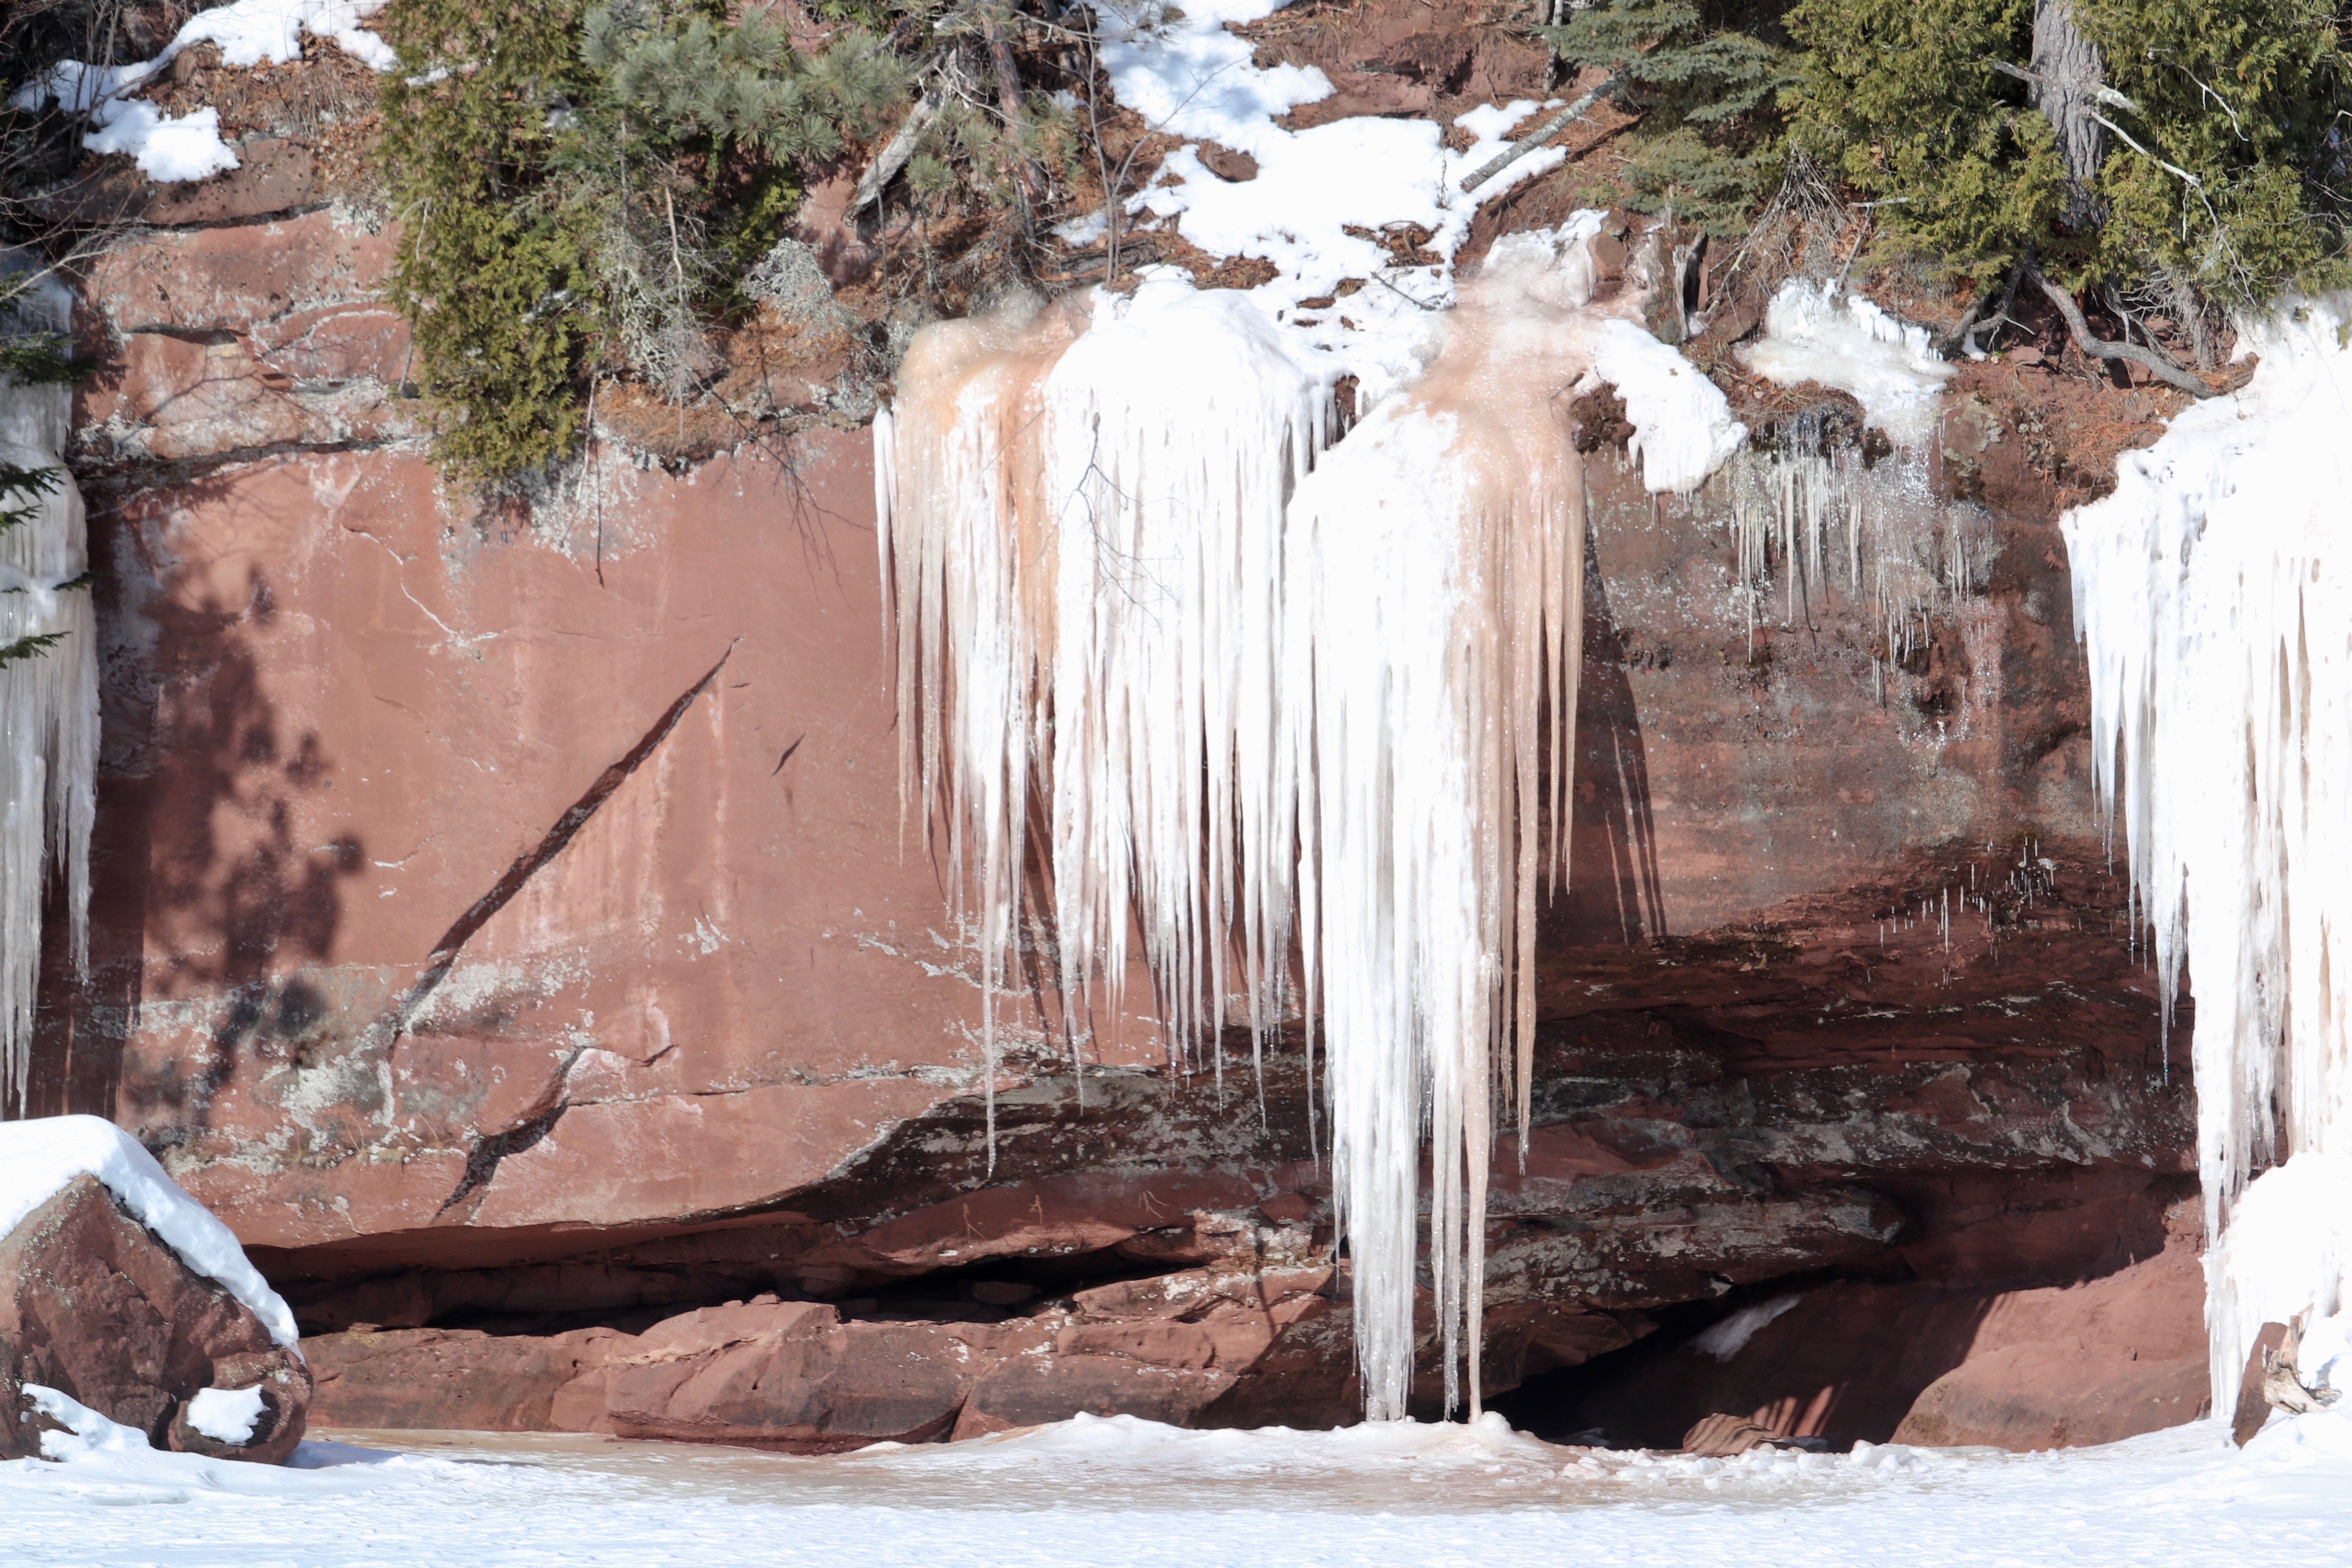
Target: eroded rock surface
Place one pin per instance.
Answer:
(508, 922)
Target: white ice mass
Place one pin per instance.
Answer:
(1264, 692)
(48, 697)
(38, 1157)
(2213, 592)
(1816, 330)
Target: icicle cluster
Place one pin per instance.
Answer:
(1267, 699)
(48, 699)
(1082, 527)
(1814, 508)
(1903, 547)
(2213, 590)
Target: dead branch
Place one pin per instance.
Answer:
(895, 153)
(2102, 349)
(1538, 137)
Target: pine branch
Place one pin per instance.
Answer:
(23, 648)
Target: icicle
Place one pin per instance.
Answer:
(1086, 571)
(48, 699)
(1336, 715)
(2214, 594)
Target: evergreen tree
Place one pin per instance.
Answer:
(2222, 170)
(1708, 79)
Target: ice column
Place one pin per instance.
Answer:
(49, 696)
(2214, 594)
(1266, 699)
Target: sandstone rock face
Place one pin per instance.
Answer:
(2120, 1354)
(461, 1379)
(2089, 1364)
(95, 1306)
(509, 925)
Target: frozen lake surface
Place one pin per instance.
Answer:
(1121, 1491)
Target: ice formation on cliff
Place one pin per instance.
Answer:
(1905, 549)
(1261, 692)
(48, 701)
(2213, 590)
(1090, 560)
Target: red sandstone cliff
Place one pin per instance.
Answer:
(506, 921)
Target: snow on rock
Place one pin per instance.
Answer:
(1816, 330)
(2213, 590)
(38, 1157)
(166, 147)
(86, 1431)
(226, 1414)
(48, 701)
(1682, 427)
(169, 148)
(1187, 75)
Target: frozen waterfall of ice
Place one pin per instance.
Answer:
(2213, 590)
(48, 700)
(1269, 698)
(1904, 549)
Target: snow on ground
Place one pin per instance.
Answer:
(1125, 1491)
(38, 1157)
(1186, 74)
(189, 146)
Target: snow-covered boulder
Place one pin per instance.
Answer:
(120, 1292)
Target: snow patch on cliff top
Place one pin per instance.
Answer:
(1819, 331)
(39, 1157)
(1187, 74)
(170, 148)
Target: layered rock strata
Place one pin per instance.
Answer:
(507, 920)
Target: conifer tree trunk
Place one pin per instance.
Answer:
(2070, 71)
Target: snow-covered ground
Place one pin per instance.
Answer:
(1126, 1491)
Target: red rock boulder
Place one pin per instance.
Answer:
(96, 1306)
(459, 1379)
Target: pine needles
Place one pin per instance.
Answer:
(1707, 83)
(583, 189)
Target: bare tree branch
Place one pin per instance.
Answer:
(1539, 136)
(2102, 349)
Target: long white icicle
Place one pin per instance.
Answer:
(48, 700)
(2213, 590)
(1256, 694)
